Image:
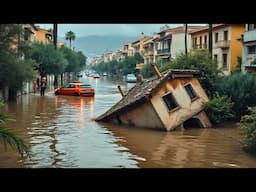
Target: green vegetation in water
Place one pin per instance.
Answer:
(241, 89)
(248, 130)
(219, 109)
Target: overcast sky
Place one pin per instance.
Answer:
(107, 29)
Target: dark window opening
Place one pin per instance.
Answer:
(251, 27)
(26, 35)
(190, 91)
(170, 101)
(200, 42)
(192, 123)
(225, 35)
(216, 37)
(252, 49)
(225, 61)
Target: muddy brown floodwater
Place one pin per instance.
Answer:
(61, 133)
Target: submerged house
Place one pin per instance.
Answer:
(163, 102)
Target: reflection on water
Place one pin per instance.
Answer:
(61, 132)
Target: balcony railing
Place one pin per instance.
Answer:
(250, 60)
(249, 36)
(223, 44)
(163, 51)
(149, 52)
(202, 46)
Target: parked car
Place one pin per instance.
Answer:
(75, 89)
(131, 78)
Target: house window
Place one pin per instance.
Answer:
(216, 37)
(170, 101)
(252, 49)
(190, 91)
(225, 61)
(225, 35)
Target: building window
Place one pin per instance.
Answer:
(205, 41)
(26, 35)
(225, 35)
(215, 57)
(194, 43)
(190, 91)
(251, 27)
(170, 101)
(216, 37)
(225, 61)
(200, 42)
(252, 49)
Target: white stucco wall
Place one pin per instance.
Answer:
(188, 108)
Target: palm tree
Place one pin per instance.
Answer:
(8, 136)
(70, 35)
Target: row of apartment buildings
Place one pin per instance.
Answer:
(34, 33)
(229, 41)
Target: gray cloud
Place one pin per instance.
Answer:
(107, 29)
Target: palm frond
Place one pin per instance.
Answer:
(8, 136)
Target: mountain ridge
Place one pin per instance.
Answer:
(95, 45)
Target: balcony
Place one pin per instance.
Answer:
(248, 61)
(149, 52)
(163, 51)
(202, 46)
(223, 44)
(249, 36)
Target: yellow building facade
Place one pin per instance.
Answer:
(44, 36)
(226, 46)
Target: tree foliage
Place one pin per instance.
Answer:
(241, 88)
(202, 61)
(219, 109)
(123, 67)
(16, 66)
(248, 130)
(48, 59)
(70, 35)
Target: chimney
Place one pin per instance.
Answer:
(120, 90)
(140, 78)
(156, 71)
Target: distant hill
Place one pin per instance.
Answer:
(96, 45)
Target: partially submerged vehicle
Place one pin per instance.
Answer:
(75, 89)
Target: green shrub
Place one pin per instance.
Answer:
(241, 88)
(219, 109)
(248, 130)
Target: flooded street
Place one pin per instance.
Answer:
(61, 133)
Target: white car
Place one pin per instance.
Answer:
(131, 78)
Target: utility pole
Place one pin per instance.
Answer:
(55, 37)
(186, 33)
(55, 34)
(210, 39)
